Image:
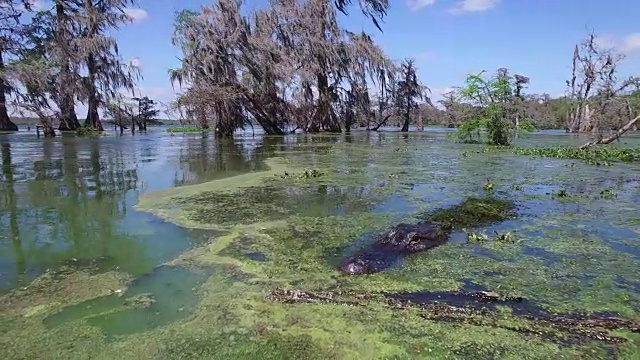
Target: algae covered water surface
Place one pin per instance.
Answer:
(286, 221)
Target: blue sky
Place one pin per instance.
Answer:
(448, 38)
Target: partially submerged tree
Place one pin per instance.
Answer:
(122, 112)
(384, 106)
(455, 110)
(285, 67)
(48, 68)
(65, 56)
(146, 111)
(68, 57)
(495, 102)
(106, 73)
(597, 95)
(409, 92)
(11, 38)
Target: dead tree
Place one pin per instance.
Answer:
(598, 97)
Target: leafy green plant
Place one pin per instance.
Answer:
(473, 212)
(184, 129)
(608, 194)
(593, 155)
(86, 131)
(493, 100)
(471, 131)
(490, 96)
(526, 126)
(489, 185)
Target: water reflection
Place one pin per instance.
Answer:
(72, 198)
(9, 203)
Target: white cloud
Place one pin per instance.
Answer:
(626, 45)
(416, 5)
(605, 41)
(631, 42)
(136, 14)
(465, 6)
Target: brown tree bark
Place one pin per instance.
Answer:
(5, 122)
(68, 117)
(375, 128)
(405, 124)
(93, 117)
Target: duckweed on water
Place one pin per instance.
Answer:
(291, 233)
(593, 156)
(273, 203)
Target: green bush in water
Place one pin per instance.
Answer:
(473, 212)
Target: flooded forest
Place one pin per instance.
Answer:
(312, 198)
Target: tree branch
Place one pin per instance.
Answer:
(613, 137)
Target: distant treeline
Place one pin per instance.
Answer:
(33, 121)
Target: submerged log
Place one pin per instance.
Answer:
(399, 241)
(479, 308)
(613, 137)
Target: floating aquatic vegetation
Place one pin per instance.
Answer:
(489, 185)
(479, 308)
(608, 194)
(304, 174)
(186, 129)
(85, 131)
(473, 212)
(559, 262)
(481, 237)
(269, 204)
(603, 155)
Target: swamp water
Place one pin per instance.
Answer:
(166, 247)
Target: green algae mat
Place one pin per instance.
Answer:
(266, 284)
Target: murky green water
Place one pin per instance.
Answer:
(165, 295)
(69, 202)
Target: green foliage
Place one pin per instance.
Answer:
(593, 155)
(526, 125)
(492, 97)
(471, 131)
(473, 212)
(147, 108)
(87, 131)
